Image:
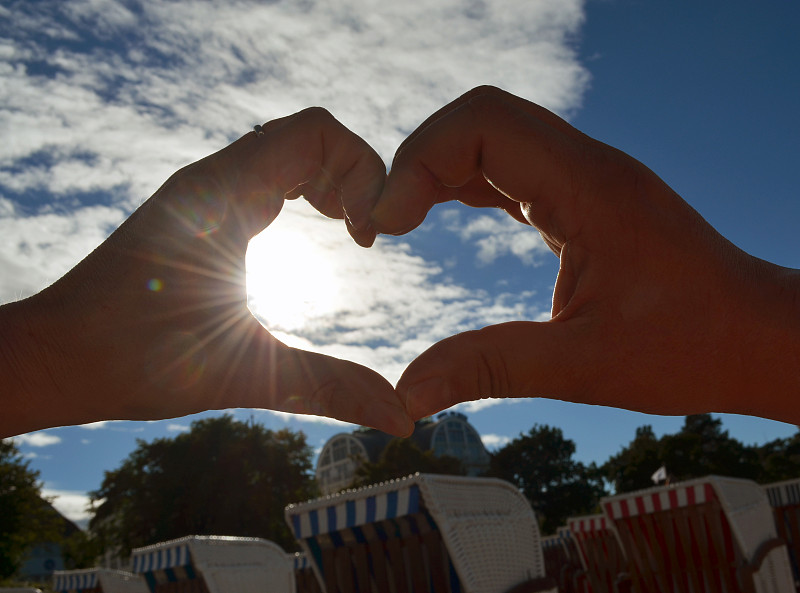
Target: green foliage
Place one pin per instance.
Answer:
(25, 518)
(699, 449)
(402, 457)
(540, 464)
(223, 477)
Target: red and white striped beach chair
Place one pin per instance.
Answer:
(562, 562)
(423, 534)
(784, 498)
(97, 580)
(600, 553)
(712, 535)
(215, 565)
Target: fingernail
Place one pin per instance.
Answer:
(426, 397)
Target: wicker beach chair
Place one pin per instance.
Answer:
(215, 565)
(603, 560)
(562, 562)
(423, 534)
(97, 580)
(712, 535)
(784, 498)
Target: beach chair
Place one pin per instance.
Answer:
(304, 575)
(602, 558)
(562, 562)
(713, 535)
(784, 498)
(215, 565)
(423, 534)
(97, 580)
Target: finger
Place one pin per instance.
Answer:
(516, 359)
(342, 176)
(246, 367)
(312, 154)
(526, 155)
(490, 91)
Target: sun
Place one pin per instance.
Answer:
(291, 279)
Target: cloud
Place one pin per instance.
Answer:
(72, 504)
(103, 99)
(495, 441)
(38, 439)
(311, 419)
(496, 235)
(172, 427)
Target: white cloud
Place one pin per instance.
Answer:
(495, 441)
(172, 427)
(38, 439)
(311, 419)
(72, 504)
(96, 425)
(496, 235)
(101, 103)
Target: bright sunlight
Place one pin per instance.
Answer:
(290, 279)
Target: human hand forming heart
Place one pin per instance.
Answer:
(652, 310)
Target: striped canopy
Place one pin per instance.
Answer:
(75, 580)
(782, 494)
(337, 513)
(662, 499)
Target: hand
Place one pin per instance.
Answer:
(155, 323)
(653, 310)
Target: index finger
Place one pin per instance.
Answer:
(528, 157)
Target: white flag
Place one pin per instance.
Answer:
(660, 475)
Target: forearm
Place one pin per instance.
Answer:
(30, 397)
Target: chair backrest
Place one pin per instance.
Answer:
(600, 553)
(713, 534)
(97, 580)
(784, 498)
(215, 565)
(424, 533)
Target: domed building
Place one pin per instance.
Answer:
(449, 434)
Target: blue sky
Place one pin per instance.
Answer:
(100, 100)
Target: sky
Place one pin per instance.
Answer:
(101, 100)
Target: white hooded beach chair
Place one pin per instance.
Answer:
(202, 564)
(97, 580)
(710, 535)
(784, 498)
(423, 534)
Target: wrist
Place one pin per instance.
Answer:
(768, 335)
(29, 397)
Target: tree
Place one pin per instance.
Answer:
(779, 459)
(540, 464)
(402, 457)
(631, 469)
(25, 518)
(699, 449)
(222, 477)
(702, 448)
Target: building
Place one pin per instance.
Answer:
(449, 434)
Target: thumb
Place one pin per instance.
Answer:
(515, 359)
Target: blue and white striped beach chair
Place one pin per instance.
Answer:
(425, 533)
(97, 580)
(304, 575)
(215, 565)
